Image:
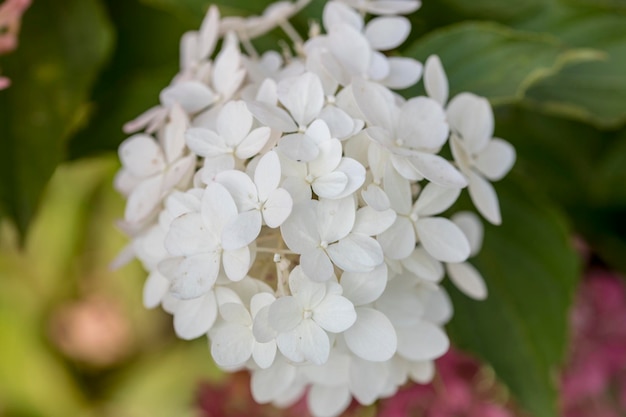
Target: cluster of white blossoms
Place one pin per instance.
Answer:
(292, 207)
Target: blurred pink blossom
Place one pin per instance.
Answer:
(11, 12)
(462, 389)
(594, 380)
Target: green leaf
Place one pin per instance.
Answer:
(494, 9)
(144, 62)
(61, 51)
(531, 271)
(493, 60)
(592, 92)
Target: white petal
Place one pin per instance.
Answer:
(234, 122)
(356, 253)
(435, 80)
(484, 198)
(218, 206)
(303, 96)
(325, 401)
(264, 354)
(422, 372)
(285, 314)
(364, 287)
(316, 265)
(403, 72)
(422, 124)
(240, 187)
(306, 342)
(472, 227)
(144, 200)
(330, 185)
(379, 66)
(496, 159)
(437, 305)
(154, 289)
(335, 218)
(231, 344)
(472, 117)
(227, 74)
(355, 173)
(329, 157)
(277, 207)
(298, 147)
(372, 222)
(376, 103)
(253, 143)
(351, 48)
(193, 318)
(195, 275)
(267, 174)
(205, 142)
(188, 236)
(438, 170)
(424, 266)
(235, 312)
(340, 124)
(392, 7)
(272, 116)
(468, 280)
(375, 197)
(262, 329)
(142, 156)
(368, 380)
(385, 33)
(399, 240)
(398, 189)
(334, 314)
(208, 33)
(180, 172)
(307, 292)
(192, 96)
(242, 230)
(299, 231)
(372, 337)
(268, 384)
(435, 199)
(236, 263)
(442, 239)
(336, 13)
(422, 341)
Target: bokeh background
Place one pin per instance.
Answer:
(75, 339)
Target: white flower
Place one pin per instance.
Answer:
(232, 341)
(234, 139)
(195, 244)
(303, 318)
(479, 156)
(440, 237)
(320, 231)
(329, 175)
(151, 168)
(411, 134)
(258, 202)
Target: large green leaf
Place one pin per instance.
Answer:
(531, 272)
(144, 62)
(590, 91)
(493, 60)
(61, 51)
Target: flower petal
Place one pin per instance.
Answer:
(298, 147)
(435, 199)
(364, 287)
(403, 72)
(328, 401)
(231, 344)
(435, 80)
(303, 96)
(253, 143)
(399, 240)
(195, 275)
(372, 337)
(387, 32)
(356, 253)
(334, 314)
(142, 156)
(272, 116)
(267, 174)
(277, 207)
(496, 159)
(194, 318)
(438, 170)
(236, 263)
(422, 341)
(472, 227)
(316, 265)
(467, 279)
(442, 239)
(484, 198)
(242, 230)
(234, 122)
(285, 314)
(306, 342)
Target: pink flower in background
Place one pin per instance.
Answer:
(594, 380)
(463, 389)
(11, 12)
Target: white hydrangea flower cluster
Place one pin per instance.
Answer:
(291, 205)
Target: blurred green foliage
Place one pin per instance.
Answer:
(555, 70)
